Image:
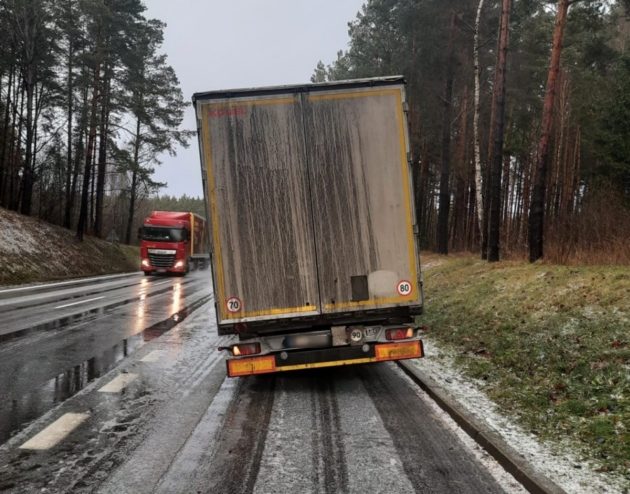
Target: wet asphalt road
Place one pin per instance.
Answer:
(54, 343)
(178, 425)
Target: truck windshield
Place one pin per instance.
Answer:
(163, 234)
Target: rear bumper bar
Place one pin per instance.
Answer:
(326, 357)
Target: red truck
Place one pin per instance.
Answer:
(172, 242)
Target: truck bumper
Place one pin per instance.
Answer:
(325, 357)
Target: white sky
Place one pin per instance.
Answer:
(223, 44)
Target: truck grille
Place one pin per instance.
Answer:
(162, 260)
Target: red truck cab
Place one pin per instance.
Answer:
(167, 242)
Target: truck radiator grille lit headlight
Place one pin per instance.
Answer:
(399, 333)
(162, 260)
(246, 349)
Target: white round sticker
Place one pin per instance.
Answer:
(404, 288)
(234, 304)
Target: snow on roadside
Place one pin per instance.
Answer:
(16, 240)
(559, 464)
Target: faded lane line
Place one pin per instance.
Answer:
(56, 431)
(79, 302)
(154, 356)
(117, 384)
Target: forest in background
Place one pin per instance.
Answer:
(87, 105)
(544, 135)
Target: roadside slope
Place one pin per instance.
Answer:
(33, 250)
(551, 345)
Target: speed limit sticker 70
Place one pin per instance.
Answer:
(233, 304)
(404, 288)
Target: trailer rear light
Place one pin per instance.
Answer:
(399, 333)
(246, 349)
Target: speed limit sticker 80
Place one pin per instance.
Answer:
(234, 304)
(404, 288)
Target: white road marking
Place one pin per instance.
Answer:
(154, 356)
(117, 384)
(56, 431)
(79, 302)
(66, 283)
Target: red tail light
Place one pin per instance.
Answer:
(399, 333)
(246, 349)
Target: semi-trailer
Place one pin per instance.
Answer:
(314, 244)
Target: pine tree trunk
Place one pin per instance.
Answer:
(27, 172)
(102, 157)
(537, 207)
(67, 218)
(83, 212)
(16, 147)
(494, 220)
(134, 184)
(4, 165)
(445, 196)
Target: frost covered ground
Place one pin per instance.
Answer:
(32, 250)
(556, 461)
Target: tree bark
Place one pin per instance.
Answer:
(477, 144)
(67, 218)
(134, 184)
(4, 165)
(102, 156)
(445, 196)
(27, 177)
(83, 213)
(494, 220)
(537, 207)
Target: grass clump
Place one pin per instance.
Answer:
(551, 342)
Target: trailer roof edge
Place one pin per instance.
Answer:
(300, 88)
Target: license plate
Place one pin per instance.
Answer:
(161, 270)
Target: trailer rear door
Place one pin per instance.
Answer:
(362, 207)
(263, 252)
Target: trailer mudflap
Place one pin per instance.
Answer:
(325, 357)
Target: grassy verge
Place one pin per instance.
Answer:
(551, 342)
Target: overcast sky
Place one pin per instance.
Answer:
(223, 44)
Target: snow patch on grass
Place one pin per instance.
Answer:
(555, 461)
(32, 250)
(15, 239)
